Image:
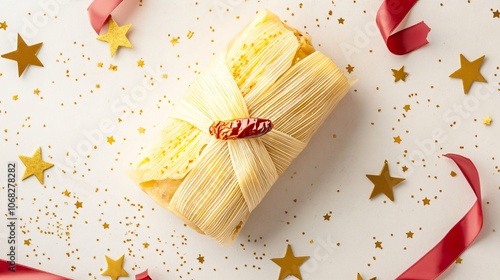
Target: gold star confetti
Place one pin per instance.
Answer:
(66, 193)
(426, 201)
(140, 63)
(458, 260)
(290, 264)
(174, 41)
(3, 25)
(145, 244)
(36, 91)
(326, 217)
(469, 72)
(141, 130)
(361, 278)
(15, 97)
(496, 14)
(78, 204)
(341, 20)
(384, 183)
(116, 36)
(113, 67)
(114, 269)
(409, 234)
(164, 76)
(99, 64)
(399, 75)
(111, 140)
(349, 68)
(397, 139)
(407, 108)
(27, 242)
(35, 165)
(24, 55)
(105, 225)
(378, 244)
(487, 120)
(200, 258)
(404, 168)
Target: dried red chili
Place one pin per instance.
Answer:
(240, 128)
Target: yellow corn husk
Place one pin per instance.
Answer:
(269, 70)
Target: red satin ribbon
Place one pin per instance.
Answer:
(389, 16)
(100, 11)
(24, 272)
(439, 258)
(143, 276)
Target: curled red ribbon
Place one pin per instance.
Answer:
(100, 11)
(439, 258)
(143, 276)
(389, 16)
(23, 272)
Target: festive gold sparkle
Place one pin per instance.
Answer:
(174, 41)
(349, 68)
(487, 120)
(407, 108)
(496, 14)
(35, 165)
(290, 264)
(105, 225)
(24, 55)
(409, 234)
(399, 75)
(110, 140)
(200, 258)
(341, 20)
(458, 260)
(116, 36)
(114, 269)
(397, 139)
(378, 244)
(145, 245)
(384, 183)
(426, 201)
(141, 130)
(469, 72)
(140, 63)
(78, 204)
(3, 25)
(326, 217)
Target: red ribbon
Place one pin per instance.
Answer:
(100, 11)
(439, 258)
(143, 276)
(389, 16)
(23, 272)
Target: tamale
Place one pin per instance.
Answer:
(270, 72)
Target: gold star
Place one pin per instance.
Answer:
(111, 140)
(114, 269)
(27, 242)
(140, 63)
(36, 91)
(469, 72)
(458, 260)
(326, 217)
(426, 201)
(145, 244)
(397, 139)
(105, 225)
(341, 20)
(141, 130)
(361, 278)
(116, 36)
(113, 67)
(384, 183)
(290, 264)
(399, 75)
(79, 204)
(409, 234)
(164, 76)
(15, 97)
(407, 108)
(66, 193)
(35, 165)
(3, 25)
(404, 168)
(24, 55)
(200, 258)
(349, 68)
(99, 64)
(378, 244)
(496, 14)
(174, 41)
(487, 120)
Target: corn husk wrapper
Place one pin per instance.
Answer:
(269, 71)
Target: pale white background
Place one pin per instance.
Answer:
(328, 176)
